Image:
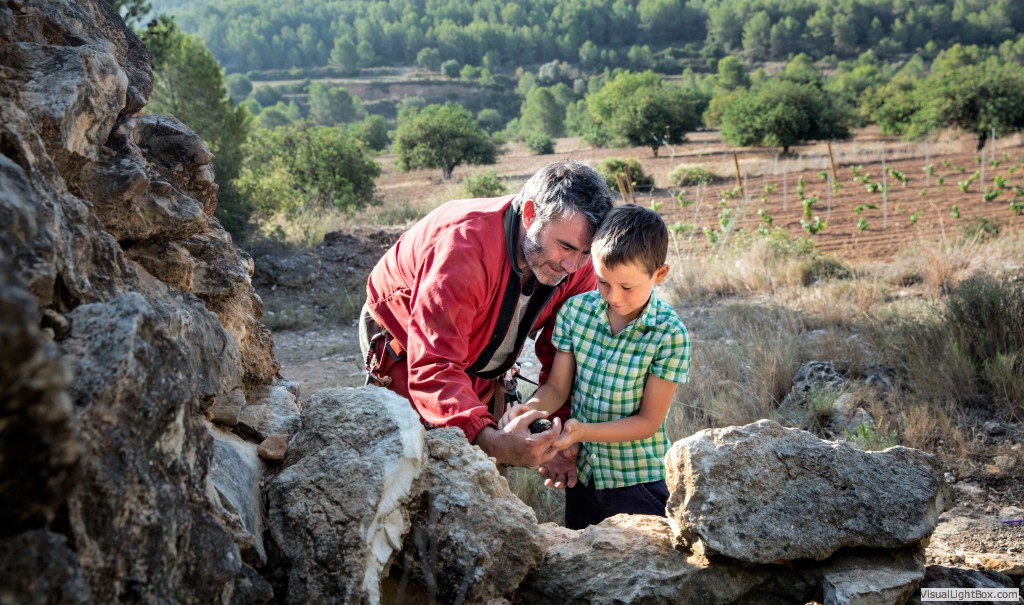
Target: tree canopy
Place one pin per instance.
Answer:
(306, 168)
(782, 113)
(977, 97)
(188, 83)
(642, 109)
(250, 35)
(441, 136)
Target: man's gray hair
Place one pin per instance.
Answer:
(564, 188)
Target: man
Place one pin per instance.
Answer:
(450, 305)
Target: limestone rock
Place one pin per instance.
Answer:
(337, 511)
(813, 379)
(274, 448)
(630, 559)
(169, 262)
(764, 493)
(80, 22)
(39, 568)
(235, 473)
(472, 539)
(133, 200)
(271, 411)
(937, 576)
(73, 93)
(880, 577)
(226, 407)
(138, 366)
(176, 155)
(289, 271)
(27, 242)
(39, 447)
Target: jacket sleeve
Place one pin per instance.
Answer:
(452, 289)
(579, 282)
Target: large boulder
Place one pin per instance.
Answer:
(339, 508)
(139, 367)
(472, 539)
(39, 448)
(764, 493)
(631, 559)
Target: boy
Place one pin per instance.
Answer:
(621, 351)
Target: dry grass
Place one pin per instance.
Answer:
(755, 316)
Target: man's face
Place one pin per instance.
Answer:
(557, 249)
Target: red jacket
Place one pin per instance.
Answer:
(440, 290)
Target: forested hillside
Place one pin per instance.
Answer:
(664, 35)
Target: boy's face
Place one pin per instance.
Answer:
(626, 288)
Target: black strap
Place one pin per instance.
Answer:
(513, 288)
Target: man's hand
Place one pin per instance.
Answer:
(561, 470)
(512, 443)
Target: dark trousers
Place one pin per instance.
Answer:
(585, 505)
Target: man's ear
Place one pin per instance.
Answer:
(660, 274)
(529, 213)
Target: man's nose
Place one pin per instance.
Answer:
(572, 261)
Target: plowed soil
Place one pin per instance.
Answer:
(918, 206)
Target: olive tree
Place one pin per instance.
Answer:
(441, 136)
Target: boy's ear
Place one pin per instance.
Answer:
(660, 274)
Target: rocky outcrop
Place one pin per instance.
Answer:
(764, 493)
(644, 567)
(338, 509)
(471, 540)
(126, 309)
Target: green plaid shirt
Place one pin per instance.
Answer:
(611, 372)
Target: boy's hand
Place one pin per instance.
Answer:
(561, 470)
(511, 414)
(570, 436)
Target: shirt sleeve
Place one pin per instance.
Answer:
(450, 291)
(561, 335)
(672, 361)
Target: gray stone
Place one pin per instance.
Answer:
(339, 508)
(139, 366)
(869, 577)
(176, 155)
(271, 410)
(809, 404)
(764, 493)
(289, 271)
(937, 576)
(472, 539)
(73, 93)
(630, 559)
(236, 472)
(81, 22)
(133, 200)
(226, 407)
(39, 568)
(39, 444)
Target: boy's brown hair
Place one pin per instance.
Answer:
(632, 234)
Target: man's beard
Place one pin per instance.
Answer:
(547, 272)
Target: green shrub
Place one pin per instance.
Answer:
(986, 316)
(690, 175)
(612, 166)
(539, 143)
(484, 184)
(982, 228)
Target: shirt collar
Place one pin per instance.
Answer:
(648, 318)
